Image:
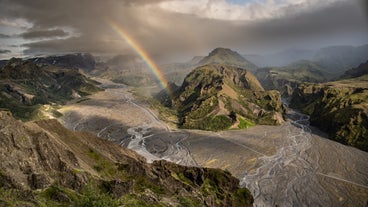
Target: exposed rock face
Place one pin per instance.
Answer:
(214, 97)
(227, 57)
(24, 85)
(42, 163)
(339, 108)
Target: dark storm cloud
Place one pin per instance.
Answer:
(4, 36)
(39, 34)
(4, 51)
(162, 32)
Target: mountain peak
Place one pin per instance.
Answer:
(227, 57)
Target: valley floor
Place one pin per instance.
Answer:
(285, 165)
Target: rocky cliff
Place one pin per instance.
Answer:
(44, 164)
(217, 97)
(340, 108)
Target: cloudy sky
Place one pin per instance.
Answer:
(178, 28)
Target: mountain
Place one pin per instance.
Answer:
(44, 164)
(227, 57)
(361, 70)
(217, 97)
(84, 61)
(337, 59)
(339, 108)
(26, 86)
(280, 59)
(195, 60)
(285, 79)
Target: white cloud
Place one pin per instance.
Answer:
(223, 10)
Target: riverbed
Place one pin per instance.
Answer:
(287, 165)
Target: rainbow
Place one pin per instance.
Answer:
(142, 53)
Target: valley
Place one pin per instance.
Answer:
(287, 165)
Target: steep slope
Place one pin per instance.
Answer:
(44, 164)
(216, 97)
(25, 86)
(361, 70)
(339, 108)
(285, 79)
(227, 57)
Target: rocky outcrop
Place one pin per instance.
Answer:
(43, 164)
(215, 97)
(339, 108)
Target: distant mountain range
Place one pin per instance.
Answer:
(77, 61)
(335, 59)
(285, 79)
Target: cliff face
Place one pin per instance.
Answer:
(340, 108)
(44, 164)
(216, 97)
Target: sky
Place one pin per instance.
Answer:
(178, 29)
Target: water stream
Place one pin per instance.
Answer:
(279, 180)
